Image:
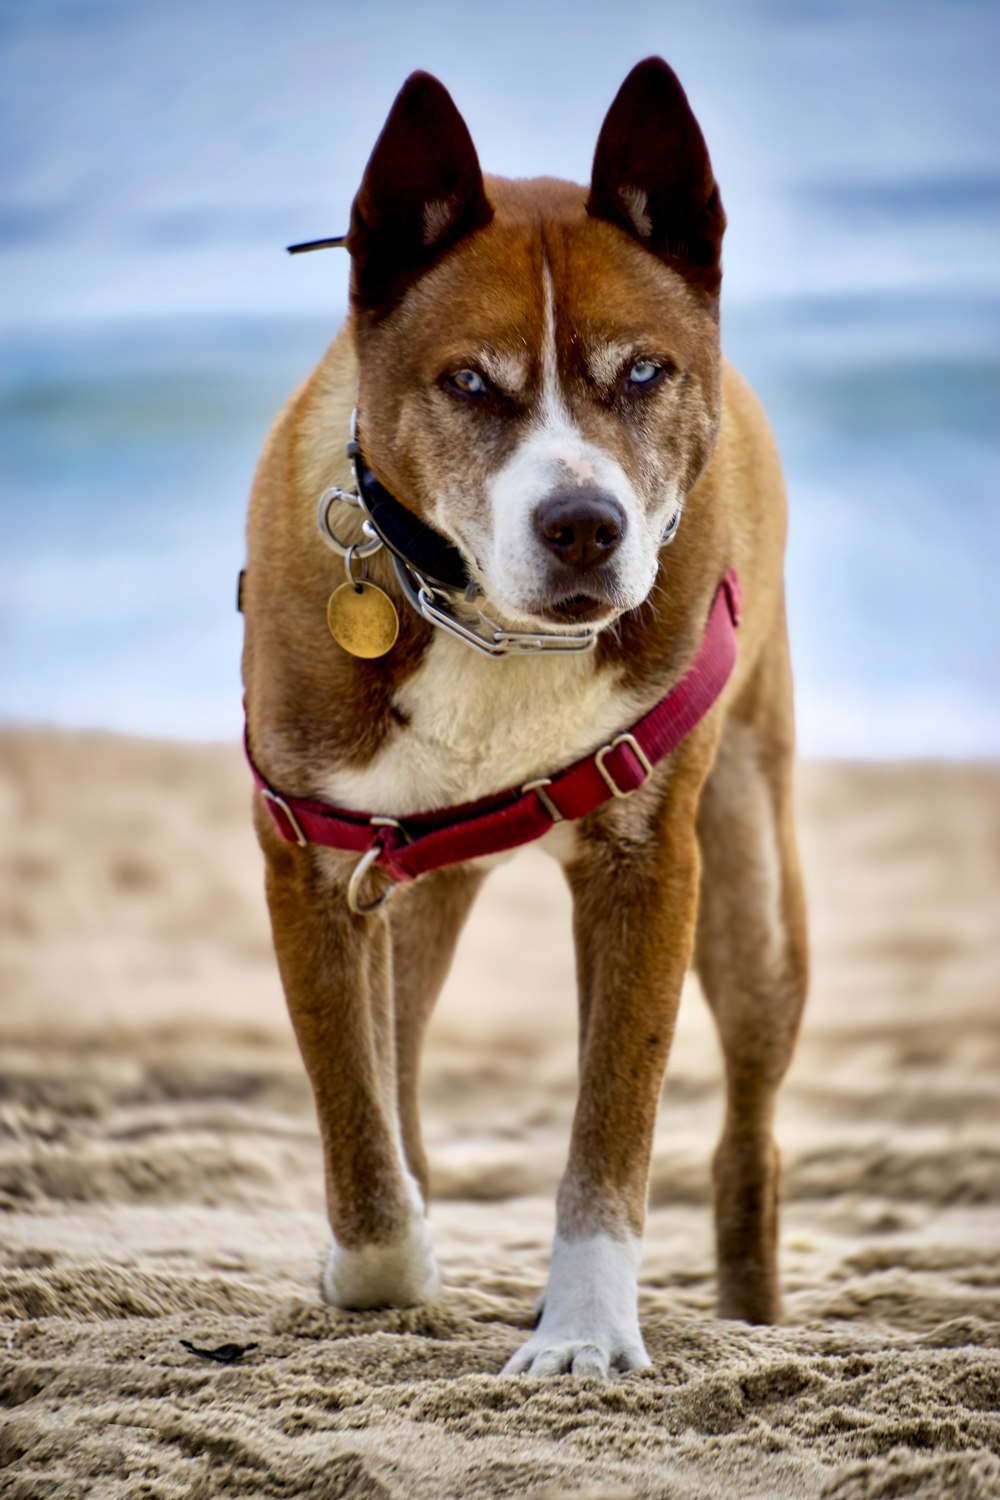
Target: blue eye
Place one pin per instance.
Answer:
(643, 372)
(469, 382)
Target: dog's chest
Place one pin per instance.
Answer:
(474, 726)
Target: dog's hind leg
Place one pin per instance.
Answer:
(425, 921)
(752, 959)
(336, 970)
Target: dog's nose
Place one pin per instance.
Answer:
(582, 527)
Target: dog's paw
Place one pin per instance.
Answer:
(600, 1355)
(399, 1273)
(589, 1323)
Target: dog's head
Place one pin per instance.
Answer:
(539, 366)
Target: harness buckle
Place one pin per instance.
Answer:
(539, 788)
(287, 814)
(637, 751)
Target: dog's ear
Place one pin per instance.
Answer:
(653, 178)
(422, 191)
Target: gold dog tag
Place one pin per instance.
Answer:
(362, 619)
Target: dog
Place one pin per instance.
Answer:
(550, 606)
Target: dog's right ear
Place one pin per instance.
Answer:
(422, 192)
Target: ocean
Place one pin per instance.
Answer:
(156, 159)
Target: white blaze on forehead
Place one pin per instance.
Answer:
(551, 392)
(565, 444)
(554, 455)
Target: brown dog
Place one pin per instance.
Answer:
(538, 380)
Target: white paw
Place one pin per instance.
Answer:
(590, 1321)
(398, 1274)
(549, 1354)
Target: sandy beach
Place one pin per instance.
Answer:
(160, 1175)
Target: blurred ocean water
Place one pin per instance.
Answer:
(156, 159)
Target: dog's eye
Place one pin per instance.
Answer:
(644, 372)
(468, 382)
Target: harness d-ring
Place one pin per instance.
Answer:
(366, 548)
(364, 864)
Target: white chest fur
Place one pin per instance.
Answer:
(477, 726)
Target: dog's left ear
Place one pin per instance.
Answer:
(422, 191)
(653, 177)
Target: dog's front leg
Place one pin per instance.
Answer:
(336, 971)
(634, 884)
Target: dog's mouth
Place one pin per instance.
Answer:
(576, 609)
(566, 606)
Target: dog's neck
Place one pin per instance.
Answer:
(433, 575)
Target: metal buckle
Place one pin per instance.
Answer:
(544, 798)
(364, 864)
(637, 751)
(293, 821)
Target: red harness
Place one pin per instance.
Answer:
(410, 846)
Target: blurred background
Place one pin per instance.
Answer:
(160, 1173)
(157, 157)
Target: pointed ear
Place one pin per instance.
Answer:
(422, 191)
(652, 176)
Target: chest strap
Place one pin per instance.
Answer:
(406, 847)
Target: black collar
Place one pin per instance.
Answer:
(412, 540)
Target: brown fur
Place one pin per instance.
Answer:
(701, 861)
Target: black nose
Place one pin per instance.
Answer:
(582, 527)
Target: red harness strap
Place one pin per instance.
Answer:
(410, 846)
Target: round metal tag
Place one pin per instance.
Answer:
(362, 619)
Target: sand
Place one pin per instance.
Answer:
(160, 1176)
